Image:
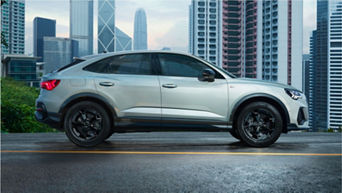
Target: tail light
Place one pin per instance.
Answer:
(49, 84)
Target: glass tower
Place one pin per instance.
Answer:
(123, 41)
(106, 26)
(140, 30)
(81, 25)
(42, 27)
(58, 52)
(13, 26)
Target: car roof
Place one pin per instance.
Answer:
(102, 55)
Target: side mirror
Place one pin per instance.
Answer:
(207, 75)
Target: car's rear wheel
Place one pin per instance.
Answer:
(259, 124)
(87, 124)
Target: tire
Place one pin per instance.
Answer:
(110, 134)
(235, 134)
(87, 124)
(259, 124)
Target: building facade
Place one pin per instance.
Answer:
(13, 26)
(261, 40)
(58, 52)
(42, 27)
(309, 89)
(335, 64)
(122, 41)
(81, 25)
(106, 26)
(140, 30)
(20, 67)
(326, 58)
(205, 33)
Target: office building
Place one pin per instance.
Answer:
(140, 30)
(205, 30)
(327, 65)
(13, 26)
(335, 64)
(81, 25)
(122, 41)
(106, 26)
(19, 67)
(42, 27)
(58, 52)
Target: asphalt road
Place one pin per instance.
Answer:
(171, 162)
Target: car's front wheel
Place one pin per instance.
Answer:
(259, 124)
(87, 124)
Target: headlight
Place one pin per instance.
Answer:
(294, 94)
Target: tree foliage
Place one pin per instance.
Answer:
(17, 108)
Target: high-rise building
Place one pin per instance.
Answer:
(307, 79)
(58, 52)
(42, 27)
(327, 65)
(263, 39)
(13, 26)
(335, 64)
(205, 33)
(140, 30)
(310, 79)
(106, 26)
(81, 25)
(123, 41)
(239, 54)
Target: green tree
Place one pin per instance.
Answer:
(17, 108)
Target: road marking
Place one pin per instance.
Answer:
(169, 153)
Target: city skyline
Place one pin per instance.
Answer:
(167, 21)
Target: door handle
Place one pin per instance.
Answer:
(169, 85)
(106, 83)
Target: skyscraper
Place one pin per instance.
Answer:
(122, 41)
(58, 52)
(106, 26)
(42, 27)
(13, 26)
(205, 33)
(81, 25)
(262, 40)
(140, 30)
(327, 65)
(335, 64)
(309, 92)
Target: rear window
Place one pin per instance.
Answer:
(76, 61)
(139, 64)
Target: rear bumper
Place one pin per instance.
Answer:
(51, 119)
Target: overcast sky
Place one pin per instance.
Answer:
(167, 20)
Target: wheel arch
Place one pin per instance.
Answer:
(88, 97)
(260, 98)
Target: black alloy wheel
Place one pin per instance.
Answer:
(259, 124)
(87, 124)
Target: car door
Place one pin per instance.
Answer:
(185, 97)
(130, 81)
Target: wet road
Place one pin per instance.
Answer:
(171, 162)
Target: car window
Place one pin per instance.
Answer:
(123, 64)
(180, 65)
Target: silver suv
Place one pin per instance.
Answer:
(97, 95)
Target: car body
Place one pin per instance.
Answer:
(160, 90)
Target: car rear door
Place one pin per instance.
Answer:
(185, 97)
(130, 81)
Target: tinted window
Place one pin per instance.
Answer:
(179, 65)
(123, 64)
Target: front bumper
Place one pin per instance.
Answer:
(51, 119)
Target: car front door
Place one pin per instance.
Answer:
(130, 81)
(185, 97)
